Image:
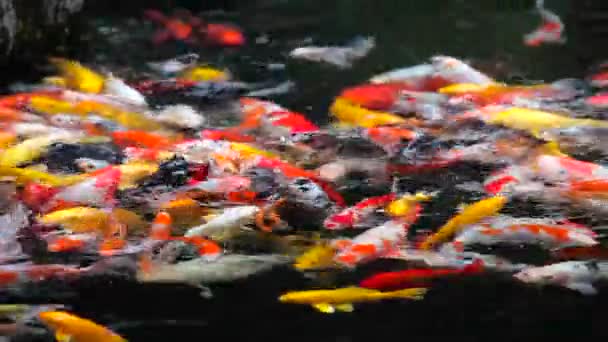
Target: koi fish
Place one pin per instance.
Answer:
(16, 274)
(456, 71)
(530, 120)
(575, 275)
(87, 108)
(376, 242)
(375, 96)
(551, 30)
(69, 327)
(199, 271)
(223, 35)
(178, 27)
(599, 80)
(98, 190)
(567, 169)
(599, 100)
(470, 214)
(285, 123)
(350, 114)
(339, 56)
(328, 301)
(79, 77)
(86, 219)
(175, 65)
(352, 216)
(30, 149)
(421, 77)
(114, 86)
(204, 74)
(226, 224)
(180, 116)
(417, 277)
(27, 175)
(546, 235)
(317, 257)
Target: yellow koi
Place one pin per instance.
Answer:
(342, 299)
(470, 214)
(87, 219)
(69, 327)
(204, 73)
(348, 113)
(78, 77)
(533, 121)
(403, 205)
(317, 257)
(133, 172)
(24, 175)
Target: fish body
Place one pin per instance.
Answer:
(349, 114)
(180, 116)
(350, 217)
(416, 277)
(550, 31)
(530, 120)
(546, 235)
(317, 257)
(69, 327)
(376, 242)
(412, 75)
(470, 214)
(98, 190)
(342, 57)
(32, 148)
(457, 71)
(174, 65)
(116, 87)
(567, 169)
(575, 275)
(328, 301)
(226, 224)
(79, 77)
(204, 73)
(199, 271)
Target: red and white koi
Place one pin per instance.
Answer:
(377, 242)
(352, 216)
(551, 30)
(548, 235)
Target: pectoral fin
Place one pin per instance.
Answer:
(345, 307)
(324, 308)
(584, 288)
(62, 337)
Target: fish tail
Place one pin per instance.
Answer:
(414, 293)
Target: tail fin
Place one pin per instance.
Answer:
(414, 293)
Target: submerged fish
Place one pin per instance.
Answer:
(342, 299)
(69, 327)
(340, 56)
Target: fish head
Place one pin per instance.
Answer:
(559, 273)
(308, 192)
(316, 257)
(295, 297)
(582, 239)
(60, 320)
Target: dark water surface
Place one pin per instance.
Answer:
(489, 33)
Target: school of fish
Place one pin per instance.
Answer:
(95, 165)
